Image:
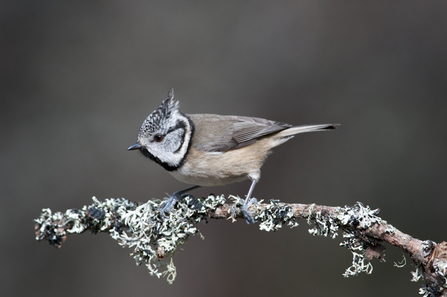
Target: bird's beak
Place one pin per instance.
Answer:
(135, 146)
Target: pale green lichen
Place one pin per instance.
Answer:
(139, 226)
(425, 292)
(271, 217)
(275, 215)
(153, 237)
(402, 263)
(440, 267)
(352, 218)
(417, 274)
(348, 219)
(430, 291)
(47, 228)
(323, 226)
(358, 216)
(359, 262)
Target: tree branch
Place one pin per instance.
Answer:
(154, 240)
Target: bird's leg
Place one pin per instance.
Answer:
(248, 203)
(177, 196)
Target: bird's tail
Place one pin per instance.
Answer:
(307, 128)
(286, 134)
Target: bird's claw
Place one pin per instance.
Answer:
(167, 206)
(247, 204)
(176, 197)
(170, 203)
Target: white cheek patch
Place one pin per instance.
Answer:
(173, 149)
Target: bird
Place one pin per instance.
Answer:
(205, 150)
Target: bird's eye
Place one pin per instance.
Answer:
(158, 138)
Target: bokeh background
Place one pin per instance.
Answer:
(79, 77)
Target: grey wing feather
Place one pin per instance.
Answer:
(223, 133)
(247, 129)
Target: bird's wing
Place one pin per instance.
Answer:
(215, 133)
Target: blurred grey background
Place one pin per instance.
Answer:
(79, 77)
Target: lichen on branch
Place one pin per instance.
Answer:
(155, 238)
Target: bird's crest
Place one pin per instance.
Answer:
(160, 115)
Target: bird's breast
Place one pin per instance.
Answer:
(213, 169)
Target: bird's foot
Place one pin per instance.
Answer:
(176, 197)
(170, 203)
(247, 204)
